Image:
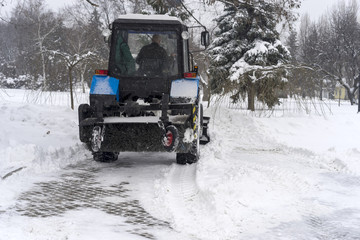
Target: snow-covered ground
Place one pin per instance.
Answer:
(291, 175)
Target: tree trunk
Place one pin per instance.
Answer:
(358, 97)
(41, 46)
(251, 97)
(43, 66)
(82, 83)
(321, 90)
(351, 97)
(71, 88)
(82, 72)
(348, 91)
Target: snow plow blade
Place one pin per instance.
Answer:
(133, 136)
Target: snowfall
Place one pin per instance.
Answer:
(290, 173)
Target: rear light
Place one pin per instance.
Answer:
(190, 75)
(101, 72)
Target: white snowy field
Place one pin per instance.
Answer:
(291, 175)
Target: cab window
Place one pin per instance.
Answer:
(145, 53)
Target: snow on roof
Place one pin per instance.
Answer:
(149, 17)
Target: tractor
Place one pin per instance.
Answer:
(146, 102)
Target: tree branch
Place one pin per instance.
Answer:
(92, 4)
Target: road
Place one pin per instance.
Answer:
(148, 196)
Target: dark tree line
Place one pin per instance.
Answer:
(52, 51)
(35, 41)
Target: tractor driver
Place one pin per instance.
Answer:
(123, 58)
(152, 58)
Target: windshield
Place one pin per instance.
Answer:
(145, 53)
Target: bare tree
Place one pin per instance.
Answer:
(71, 61)
(35, 26)
(346, 42)
(80, 50)
(332, 47)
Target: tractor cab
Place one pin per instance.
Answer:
(147, 53)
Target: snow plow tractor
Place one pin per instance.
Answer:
(149, 98)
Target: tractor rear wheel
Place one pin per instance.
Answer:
(105, 156)
(190, 157)
(186, 158)
(193, 155)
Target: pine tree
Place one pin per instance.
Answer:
(172, 7)
(247, 56)
(292, 45)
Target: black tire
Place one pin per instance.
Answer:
(84, 111)
(105, 156)
(201, 115)
(193, 155)
(186, 158)
(87, 145)
(190, 157)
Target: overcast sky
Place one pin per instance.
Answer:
(315, 8)
(56, 4)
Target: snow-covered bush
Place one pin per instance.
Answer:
(20, 82)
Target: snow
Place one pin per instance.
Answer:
(184, 88)
(294, 174)
(149, 17)
(188, 135)
(260, 178)
(36, 138)
(146, 119)
(260, 52)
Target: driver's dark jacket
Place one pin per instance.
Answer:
(152, 58)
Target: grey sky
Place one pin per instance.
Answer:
(316, 8)
(56, 4)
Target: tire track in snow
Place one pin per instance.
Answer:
(192, 211)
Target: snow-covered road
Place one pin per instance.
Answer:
(87, 201)
(295, 176)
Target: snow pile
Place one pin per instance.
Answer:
(267, 178)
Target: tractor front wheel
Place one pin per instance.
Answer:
(193, 155)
